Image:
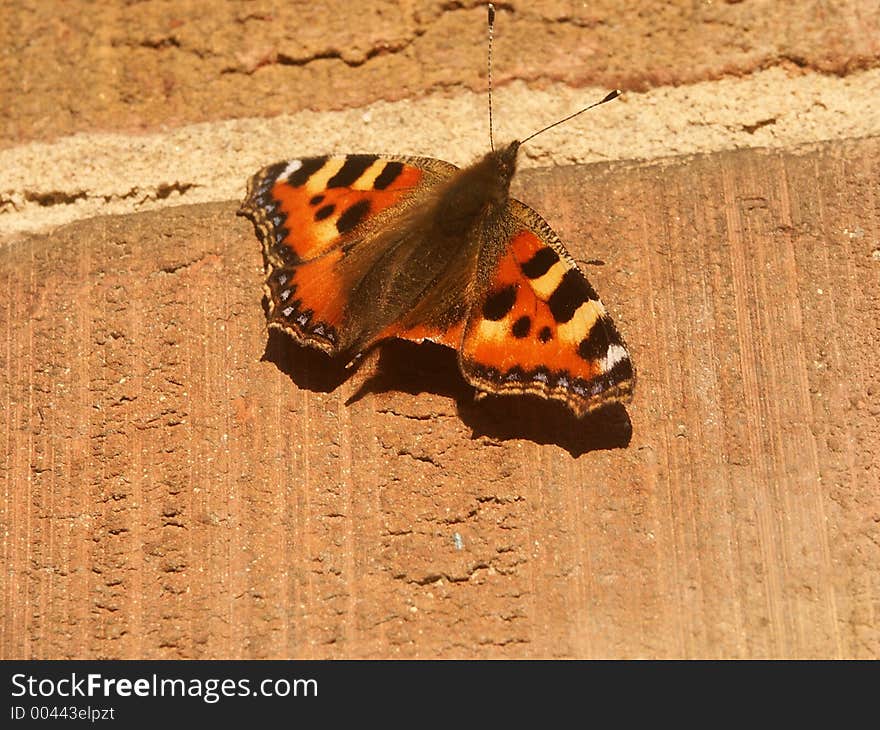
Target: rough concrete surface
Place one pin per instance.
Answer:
(51, 183)
(175, 483)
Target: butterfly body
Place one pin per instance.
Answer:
(363, 248)
(425, 266)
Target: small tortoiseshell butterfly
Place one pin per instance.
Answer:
(362, 248)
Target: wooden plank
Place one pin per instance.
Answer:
(174, 487)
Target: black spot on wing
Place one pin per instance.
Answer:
(389, 174)
(499, 303)
(309, 167)
(351, 170)
(572, 291)
(540, 263)
(317, 200)
(325, 212)
(352, 216)
(521, 327)
(545, 335)
(595, 344)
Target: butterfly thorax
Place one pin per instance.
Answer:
(477, 192)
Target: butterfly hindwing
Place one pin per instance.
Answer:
(310, 213)
(540, 328)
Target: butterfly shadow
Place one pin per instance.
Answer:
(309, 369)
(406, 367)
(411, 368)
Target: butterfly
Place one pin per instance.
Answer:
(363, 248)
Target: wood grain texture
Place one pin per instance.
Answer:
(175, 484)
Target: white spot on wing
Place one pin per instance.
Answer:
(615, 354)
(291, 168)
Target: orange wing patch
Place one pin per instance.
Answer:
(449, 336)
(542, 329)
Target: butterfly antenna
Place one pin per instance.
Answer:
(489, 62)
(613, 95)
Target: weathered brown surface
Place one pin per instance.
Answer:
(174, 487)
(68, 66)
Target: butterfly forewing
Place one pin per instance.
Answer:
(310, 213)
